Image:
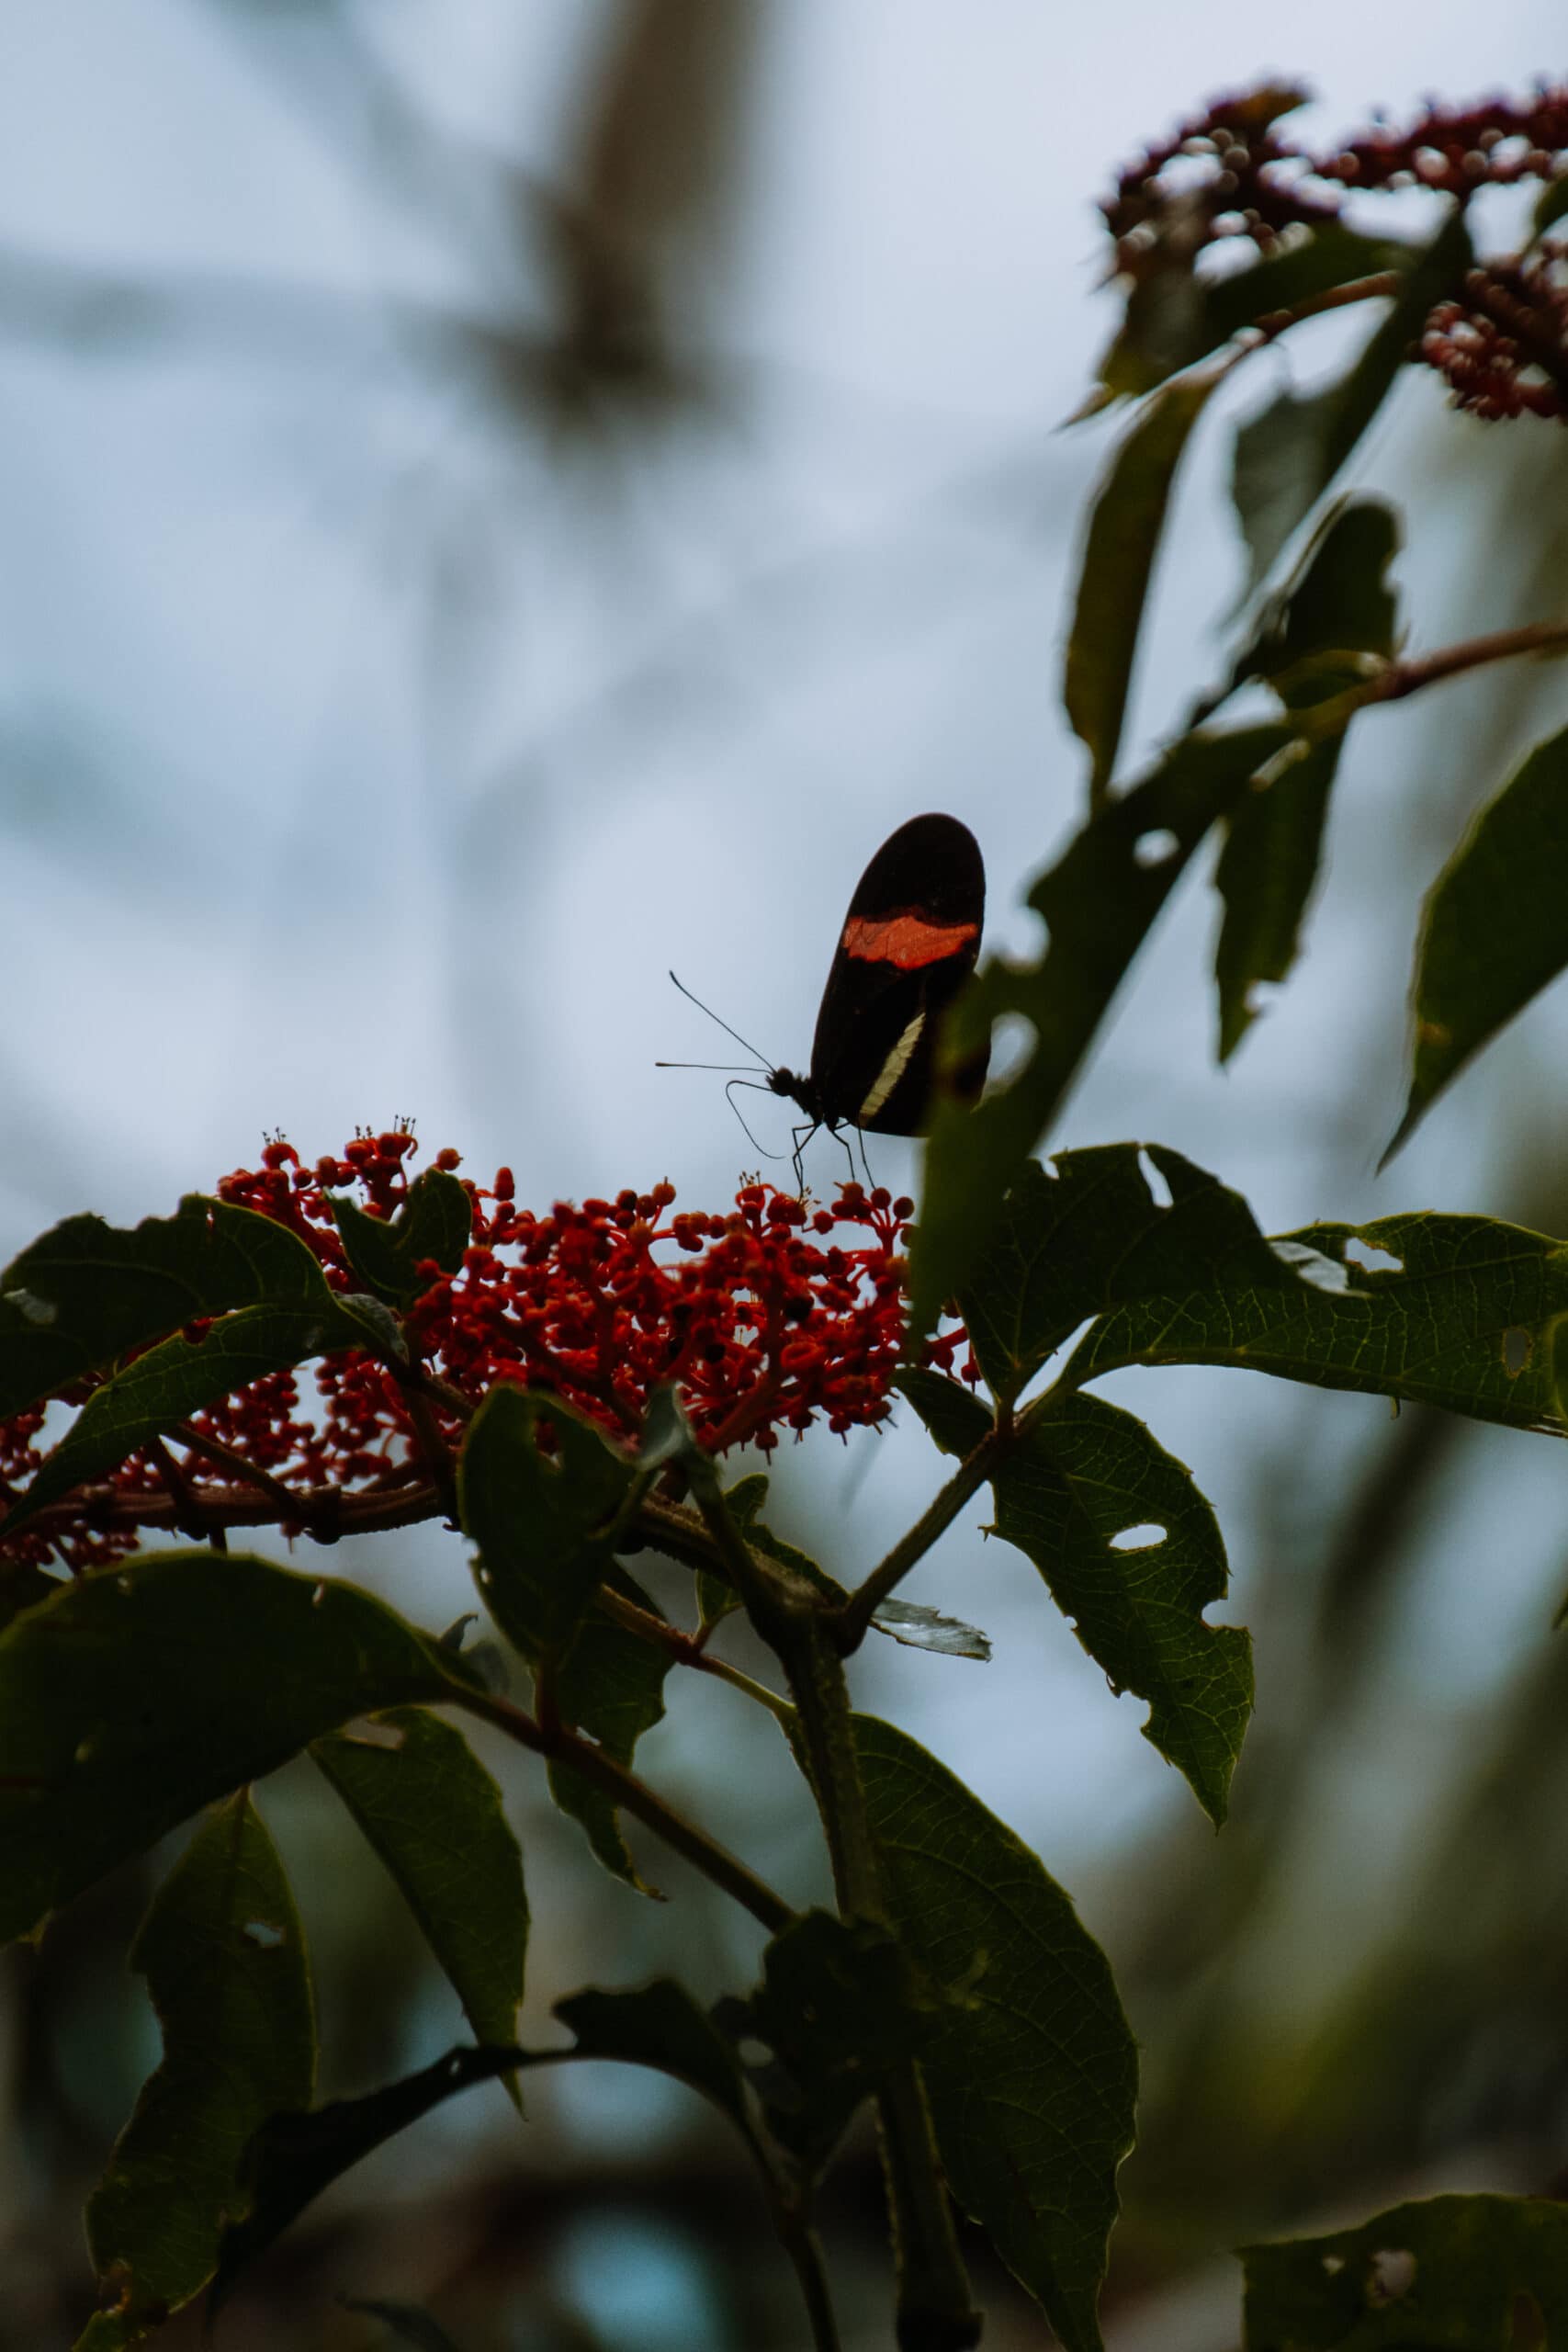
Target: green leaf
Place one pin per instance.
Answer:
(86, 1292)
(1267, 872)
(223, 1953)
(837, 2006)
(1084, 1478)
(293, 2155)
(1340, 606)
(611, 1687)
(1442, 2273)
(1462, 1318)
(659, 2025)
(434, 1222)
(544, 1524)
(1124, 530)
(1080, 1476)
(1287, 455)
(180, 1378)
(1087, 1234)
(434, 1814)
(1099, 902)
(1031, 2069)
(744, 1501)
(1175, 317)
(137, 1695)
(1492, 933)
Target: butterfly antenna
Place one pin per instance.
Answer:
(762, 1059)
(729, 1098)
(704, 1066)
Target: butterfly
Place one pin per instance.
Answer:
(907, 944)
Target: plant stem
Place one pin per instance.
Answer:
(935, 2313)
(1402, 678)
(687, 1651)
(800, 2241)
(633, 1796)
(854, 1618)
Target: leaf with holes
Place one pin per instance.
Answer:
(1092, 1230)
(1100, 902)
(1459, 1313)
(1442, 2272)
(1493, 933)
(1287, 455)
(1125, 531)
(87, 1292)
(1131, 1555)
(1336, 614)
(1030, 2070)
(434, 1814)
(223, 1954)
(137, 1695)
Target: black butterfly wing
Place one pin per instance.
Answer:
(909, 943)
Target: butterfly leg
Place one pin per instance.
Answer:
(800, 1136)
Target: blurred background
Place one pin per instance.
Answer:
(498, 500)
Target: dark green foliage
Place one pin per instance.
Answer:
(79, 1297)
(1084, 1234)
(1080, 1476)
(544, 1520)
(1493, 934)
(1459, 1319)
(1031, 2069)
(1445, 2274)
(1123, 538)
(223, 1954)
(1289, 454)
(434, 1814)
(293, 2155)
(1335, 620)
(133, 1698)
(433, 1223)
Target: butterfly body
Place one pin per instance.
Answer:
(909, 943)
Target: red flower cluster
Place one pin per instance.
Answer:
(762, 1319)
(1503, 347)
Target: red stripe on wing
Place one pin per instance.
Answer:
(905, 940)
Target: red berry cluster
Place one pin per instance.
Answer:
(1227, 173)
(761, 1319)
(1457, 149)
(1503, 347)
(1222, 173)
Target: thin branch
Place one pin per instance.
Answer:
(1400, 678)
(854, 1618)
(227, 1457)
(687, 1649)
(190, 1519)
(633, 1796)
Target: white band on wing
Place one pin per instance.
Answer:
(892, 1071)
